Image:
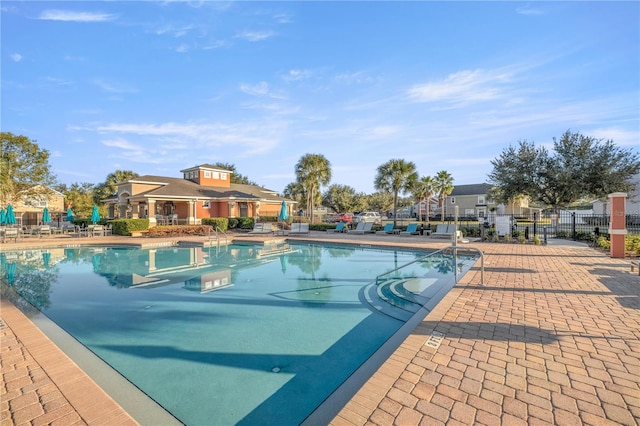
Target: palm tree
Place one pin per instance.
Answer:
(313, 171)
(396, 176)
(424, 190)
(443, 186)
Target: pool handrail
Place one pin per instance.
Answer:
(455, 249)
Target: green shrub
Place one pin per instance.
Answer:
(507, 238)
(495, 238)
(521, 239)
(127, 226)
(217, 222)
(536, 240)
(180, 230)
(233, 223)
(603, 243)
(245, 223)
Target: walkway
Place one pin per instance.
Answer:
(553, 338)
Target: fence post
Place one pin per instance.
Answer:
(535, 224)
(545, 235)
(573, 226)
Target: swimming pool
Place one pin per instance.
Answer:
(242, 334)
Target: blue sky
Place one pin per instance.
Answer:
(156, 87)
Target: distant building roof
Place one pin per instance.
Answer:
(473, 189)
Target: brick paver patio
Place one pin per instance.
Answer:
(552, 338)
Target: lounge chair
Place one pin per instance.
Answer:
(97, 231)
(11, 233)
(299, 228)
(442, 230)
(388, 229)
(339, 228)
(261, 228)
(44, 230)
(359, 228)
(365, 229)
(412, 229)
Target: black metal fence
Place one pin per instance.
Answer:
(566, 224)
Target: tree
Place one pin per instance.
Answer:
(579, 167)
(423, 191)
(108, 188)
(443, 186)
(78, 197)
(396, 176)
(24, 168)
(313, 171)
(235, 176)
(341, 198)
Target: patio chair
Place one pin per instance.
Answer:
(44, 230)
(10, 233)
(368, 227)
(339, 228)
(97, 231)
(412, 229)
(302, 228)
(261, 228)
(359, 228)
(388, 229)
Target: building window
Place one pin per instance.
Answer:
(206, 204)
(215, 175)
(480, 199)
(223, 176)
(469, 212)
(207, 174)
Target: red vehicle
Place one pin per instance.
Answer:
(343, 217)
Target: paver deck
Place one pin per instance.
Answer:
(552, 338)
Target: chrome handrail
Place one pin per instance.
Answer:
(455, 249)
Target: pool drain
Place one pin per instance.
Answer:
(275, 369)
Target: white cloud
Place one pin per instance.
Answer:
(620, 137)
(295, 75)
(463, 87)
(255, 35)
(529, 11)
(111, 88)
(73, 16)
(358, 77)
(16, 57)
(182, 48)
(261, 89)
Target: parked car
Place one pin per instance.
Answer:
(343, 217)
(368, 217)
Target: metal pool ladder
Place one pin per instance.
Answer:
(455, 248)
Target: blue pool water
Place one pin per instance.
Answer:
(237, 335)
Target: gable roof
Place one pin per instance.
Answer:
(169, 187)
(473, 189)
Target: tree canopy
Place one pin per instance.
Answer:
(579, 167)
(443, 186)
(24, 168)
(396, 176)
(108, 188)
(235, 176)
(341, 198)
(312, 171)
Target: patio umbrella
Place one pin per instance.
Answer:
(284, 213)
(95, 215)
(11, 216)
(69, 215)
(3, 216)
(46, 218)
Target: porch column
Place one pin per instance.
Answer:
(191, 218)
(122, 210)
(152, 213)
(135, 207)
(231, 206)
(617, 224)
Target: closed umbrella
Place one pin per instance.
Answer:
(11, 216)
(95, 215)
(3, 217)
(284, 213)
(69, 215)
(46, 218)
